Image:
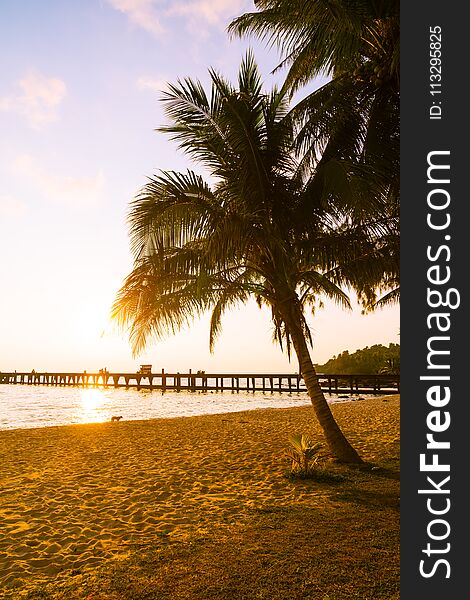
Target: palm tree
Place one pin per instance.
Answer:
(263, 229)
(357, 44)
(330, 37)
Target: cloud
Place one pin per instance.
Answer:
(36, 98)
(208, 11)
(80, 192)
(150, 83)
(152, 15)
(140, 12)
(11, 206)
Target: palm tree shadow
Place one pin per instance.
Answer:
(377, 471)
(368, 498)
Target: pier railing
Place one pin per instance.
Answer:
(201, 381)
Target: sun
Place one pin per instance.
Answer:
(91, 321)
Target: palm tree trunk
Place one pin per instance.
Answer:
(335, 438)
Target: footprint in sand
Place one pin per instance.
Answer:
(80, 548)
(153, 521)
(53, 548)
(39, 562)
(18, 527)
(24, 552)
(137, 517)
(11, 579)
(160, 497)
(53, 569)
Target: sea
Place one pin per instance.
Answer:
(28, 406)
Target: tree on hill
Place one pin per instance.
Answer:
(373, 360)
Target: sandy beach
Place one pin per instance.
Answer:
(74, 497)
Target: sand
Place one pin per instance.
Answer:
(73, 497)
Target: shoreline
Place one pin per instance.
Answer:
(290, 400)
(74, 497)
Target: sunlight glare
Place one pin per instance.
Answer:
(92, 401)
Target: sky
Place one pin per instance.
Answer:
(79, 106)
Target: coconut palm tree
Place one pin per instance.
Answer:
(262, 229)
(330, 37)
(357, 44)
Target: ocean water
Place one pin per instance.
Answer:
(26, 406)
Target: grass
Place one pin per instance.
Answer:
(344, 549)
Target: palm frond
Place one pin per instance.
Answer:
(171, 209)
(269, 227)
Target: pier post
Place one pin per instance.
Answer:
(193, 381)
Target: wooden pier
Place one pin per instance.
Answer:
(201, 381)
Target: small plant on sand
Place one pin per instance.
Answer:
(303, 454)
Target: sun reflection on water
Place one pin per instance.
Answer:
(92, 401)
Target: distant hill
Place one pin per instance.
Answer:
(376, 359)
